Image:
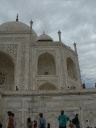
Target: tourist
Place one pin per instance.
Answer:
(71, 125)
(42, 121)
(13, 115)
(10, 120)
(48, 125)
(75, 121)
(95, 85)
(62, 120)
(83, 86)
(29, 123)
(0, 125)
(35, 124)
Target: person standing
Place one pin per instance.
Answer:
(75, 121)
(63, 119)
(0, 125)
(14, 120)
(29, 123)
(42, 121)
(34, 124)
(10, 120)
(71, 125)
(48, 125)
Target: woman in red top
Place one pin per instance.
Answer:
(10, 120)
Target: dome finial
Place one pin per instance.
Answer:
(17, 18)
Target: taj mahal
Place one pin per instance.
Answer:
(38, 74)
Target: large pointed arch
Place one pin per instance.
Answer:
(47, 86)
(46, 64)
(6, 71)
(71, 69)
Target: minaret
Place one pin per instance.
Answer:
(17, 18)
(75, 48)
(59, 34)
(31, 23)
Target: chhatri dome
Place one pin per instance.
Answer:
(44, 37)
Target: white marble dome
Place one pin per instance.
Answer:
(15, 27)
(44, 37)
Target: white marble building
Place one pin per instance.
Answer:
(38, 74)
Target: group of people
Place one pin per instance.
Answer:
(40, 124)
(63, 120)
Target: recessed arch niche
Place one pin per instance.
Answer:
(71, 69)
(46, 64)
(6, 71)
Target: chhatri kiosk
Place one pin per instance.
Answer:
(38, 74)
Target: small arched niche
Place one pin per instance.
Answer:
(47, 86)
(71, 69)
(46, 64)
(6, 71)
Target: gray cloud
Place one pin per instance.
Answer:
(75, 18)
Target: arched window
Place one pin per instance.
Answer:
(6, 71)
(71, 69)
(47, 86)
(46, 65)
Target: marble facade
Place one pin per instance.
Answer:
(38, 74)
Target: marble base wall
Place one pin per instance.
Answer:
(25, 106)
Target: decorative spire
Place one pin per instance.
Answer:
(31, 23)
(59, 34)
(75, 47)
(17, 18)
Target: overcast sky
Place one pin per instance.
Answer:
(75, 18)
